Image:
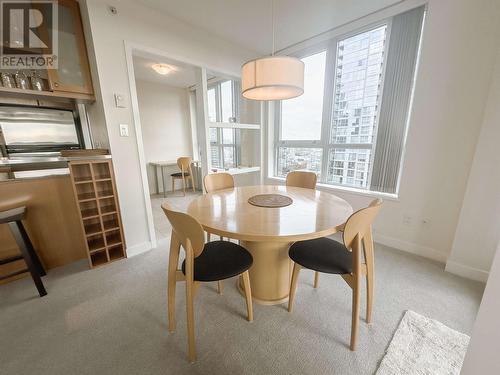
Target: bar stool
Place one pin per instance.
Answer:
(14, 218)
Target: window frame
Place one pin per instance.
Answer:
(330, 46)
(235, 144)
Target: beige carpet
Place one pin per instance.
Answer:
(112, 320)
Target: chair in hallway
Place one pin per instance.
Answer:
(186, 173)
(204, 262)
(215, 182)
(345, 259)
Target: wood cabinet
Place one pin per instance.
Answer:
(73, 73)
(72, 78)
(95, 193)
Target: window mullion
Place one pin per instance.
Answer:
(328, 95)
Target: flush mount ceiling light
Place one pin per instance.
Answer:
(162, 69)
(272, 77)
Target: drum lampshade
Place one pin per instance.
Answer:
(272, 78)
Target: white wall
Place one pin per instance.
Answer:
(482, 353)
(138, 24)
(166, 127)
(478, 229)
(454, 74)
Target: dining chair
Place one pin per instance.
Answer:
(303, 179)
(186, 173)
(204, 262)
(218, 181)
(215, 182)
(345, 259)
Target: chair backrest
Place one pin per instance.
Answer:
(360, 222)
(184, 163)
(218, 181)
(186, 228)
(301, 179)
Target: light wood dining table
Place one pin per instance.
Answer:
(267, 233)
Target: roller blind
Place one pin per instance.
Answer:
(396, 98)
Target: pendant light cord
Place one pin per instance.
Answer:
(273, 26)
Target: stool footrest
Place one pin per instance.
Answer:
(10, 259)
(14, 274)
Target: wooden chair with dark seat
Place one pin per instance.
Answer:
(204, 262)
(307, 180)
(13, 217)
(303, 179)
(345, 259)
(215, 182)
(186, 173)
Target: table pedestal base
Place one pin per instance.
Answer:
(270, 273)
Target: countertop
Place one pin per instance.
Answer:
(5, 162)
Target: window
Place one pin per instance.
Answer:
(307, 108)
(350, 124)
(223, 98)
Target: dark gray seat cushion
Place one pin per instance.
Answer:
(220, 260)
(322, 255)
(179, 174)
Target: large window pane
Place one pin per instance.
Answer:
(215, 157)
(226, 89)
(213, 135)
(301, 117)
(212, 108)
(227, 136)
(229, 161)
(292, 159)
(358, 76)
(349, 167)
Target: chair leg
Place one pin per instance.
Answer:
(355, 311)
(172, 270)
(368, 246)
(190, 321)
(190, 310)
(248, 295)
(316, 279)
(173, 185)
(192, 183)
(15, 228)
(31, 249)
(293, 285)
(183, 185)
(220, 286)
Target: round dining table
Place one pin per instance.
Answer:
(268, 232)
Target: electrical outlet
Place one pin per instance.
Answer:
(123, 130)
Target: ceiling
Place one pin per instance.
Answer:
(183, 76)
(248, 23)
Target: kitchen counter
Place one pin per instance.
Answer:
(41, 165)
(52, 219)
(35, 161)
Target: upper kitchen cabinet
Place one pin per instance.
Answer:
(71, 80)
(73, 73)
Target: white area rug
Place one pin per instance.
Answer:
(424, 346)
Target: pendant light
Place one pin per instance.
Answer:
(272, 77)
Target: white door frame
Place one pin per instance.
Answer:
(130, 47)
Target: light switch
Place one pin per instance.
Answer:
(120, 101)
(123, 130)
